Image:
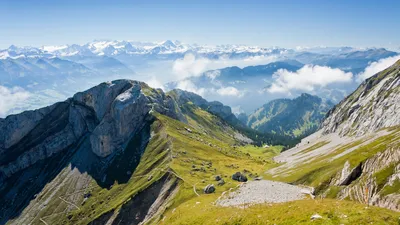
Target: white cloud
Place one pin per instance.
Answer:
(10, 97)
(213, 74)
(237, 110)
(190, 65)
(154, 83)
(187, 85)
(308, 78)
(229, 91)
(376, 67)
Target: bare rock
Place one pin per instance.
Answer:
(238, 176)
(209, 189)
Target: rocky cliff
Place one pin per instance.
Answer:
(374, 105)
(110, 114)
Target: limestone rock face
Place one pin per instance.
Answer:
(110, 114)
(125, 117)
(366, 188)
(17, 126)
(374, 105)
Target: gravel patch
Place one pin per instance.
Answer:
(263, 191)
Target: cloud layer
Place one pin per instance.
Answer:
(230, 91)
(308, 78)
(10, 97)
(376, 67)
(190, 65)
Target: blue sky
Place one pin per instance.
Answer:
(282, 23)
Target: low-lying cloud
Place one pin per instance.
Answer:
(192, 66)
(10, 97)
(188, 85)
(376, 67)
(230, 91)
(308, 78)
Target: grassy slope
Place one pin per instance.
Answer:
(201, 211)
(304, 114)
(193, 151)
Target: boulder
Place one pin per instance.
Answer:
(218, 177)
(209, 189)
(238, 176)
(221, 182)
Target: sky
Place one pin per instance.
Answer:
(265, 23)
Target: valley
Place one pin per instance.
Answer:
(125, 153)
(199, 112)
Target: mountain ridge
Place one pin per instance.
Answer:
(294, 117)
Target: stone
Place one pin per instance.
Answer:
(218, 177)
(221, 182)
(238, 176)
(258, 178)
(209, 189)
(315, 217)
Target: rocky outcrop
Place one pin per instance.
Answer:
(374, 105)
(110, 114)
(347, 175)
(369, 185)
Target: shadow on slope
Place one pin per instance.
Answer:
(22, 187)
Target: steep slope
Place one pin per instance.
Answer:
(355, 154)
(95, 157)
(293, 117)
(374, 105)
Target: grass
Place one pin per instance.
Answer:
(312, 148)
(185, 149)
(382, 176)
(202, 211)
(193, 149)
(391, 189)
(333, 191)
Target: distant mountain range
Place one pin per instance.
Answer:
(119, 48)
(66, 69)
(174, 49)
